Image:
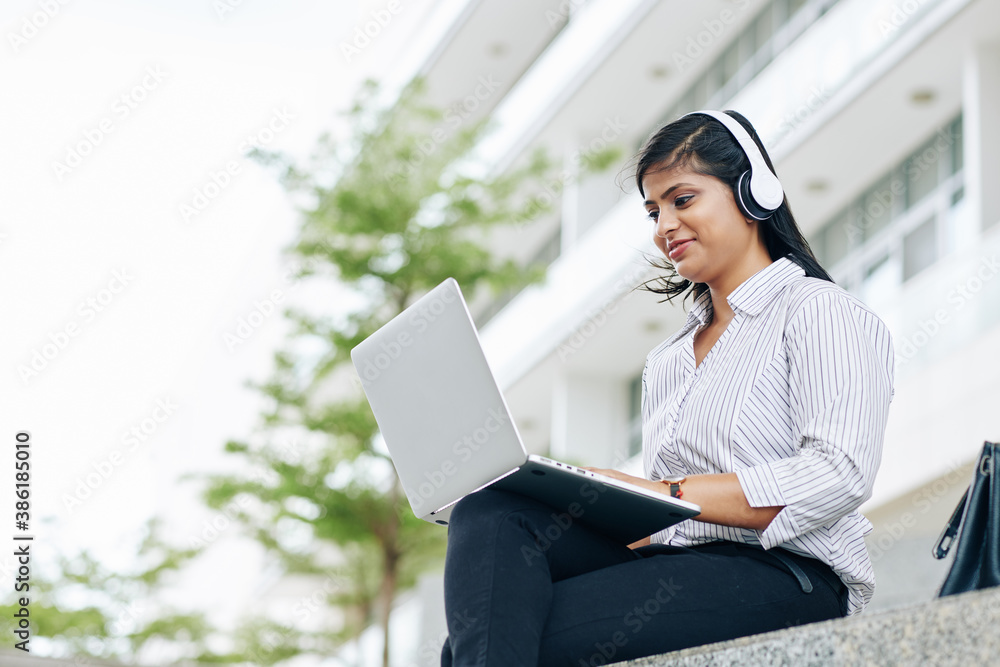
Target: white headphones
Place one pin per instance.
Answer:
(758, 191)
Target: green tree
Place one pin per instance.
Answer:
(389, 214)
(85, 609)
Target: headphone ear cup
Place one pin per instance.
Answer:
(745, 201)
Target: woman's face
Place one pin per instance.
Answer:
(698, 226)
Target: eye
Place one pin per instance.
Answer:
(681, 201)
(653, 215)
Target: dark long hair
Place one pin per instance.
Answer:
(704, 145)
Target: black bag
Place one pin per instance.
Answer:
(977, 558)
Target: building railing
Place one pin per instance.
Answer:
(908, 220)
(776, 26)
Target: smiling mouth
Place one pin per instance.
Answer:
(677, 249)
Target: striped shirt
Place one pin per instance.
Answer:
(793, 398)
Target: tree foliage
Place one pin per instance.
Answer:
(86, 609)
(389, 213)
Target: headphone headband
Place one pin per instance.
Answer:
(764, 188)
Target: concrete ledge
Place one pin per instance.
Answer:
(15, 658)
(957, 630)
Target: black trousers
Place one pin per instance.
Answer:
(525, 585)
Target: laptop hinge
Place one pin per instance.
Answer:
(479, 488)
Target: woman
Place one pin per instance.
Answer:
(767, 409)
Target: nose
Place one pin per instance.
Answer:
(665, 223)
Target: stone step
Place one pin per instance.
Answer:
(956, 630)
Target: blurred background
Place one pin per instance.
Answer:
(178, 175)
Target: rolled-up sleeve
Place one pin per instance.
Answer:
(840, 376)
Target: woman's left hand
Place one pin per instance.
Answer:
(720, 497)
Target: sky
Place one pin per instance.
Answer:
(142, 273)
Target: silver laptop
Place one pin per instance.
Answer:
(449, 433)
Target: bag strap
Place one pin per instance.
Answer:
(947, 539)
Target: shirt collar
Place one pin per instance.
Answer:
(761, 288)
(701, 310)
(755, 293)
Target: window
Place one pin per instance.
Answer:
(635, 416)
(764, 30)
(777, 25)
(730, 62)
(880, 275)
(921, 172)
(879, 206)
(794, 6)
(957, 156)
(836, 240)
(919, 248)
(901, 225)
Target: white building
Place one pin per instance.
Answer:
(883, 120)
